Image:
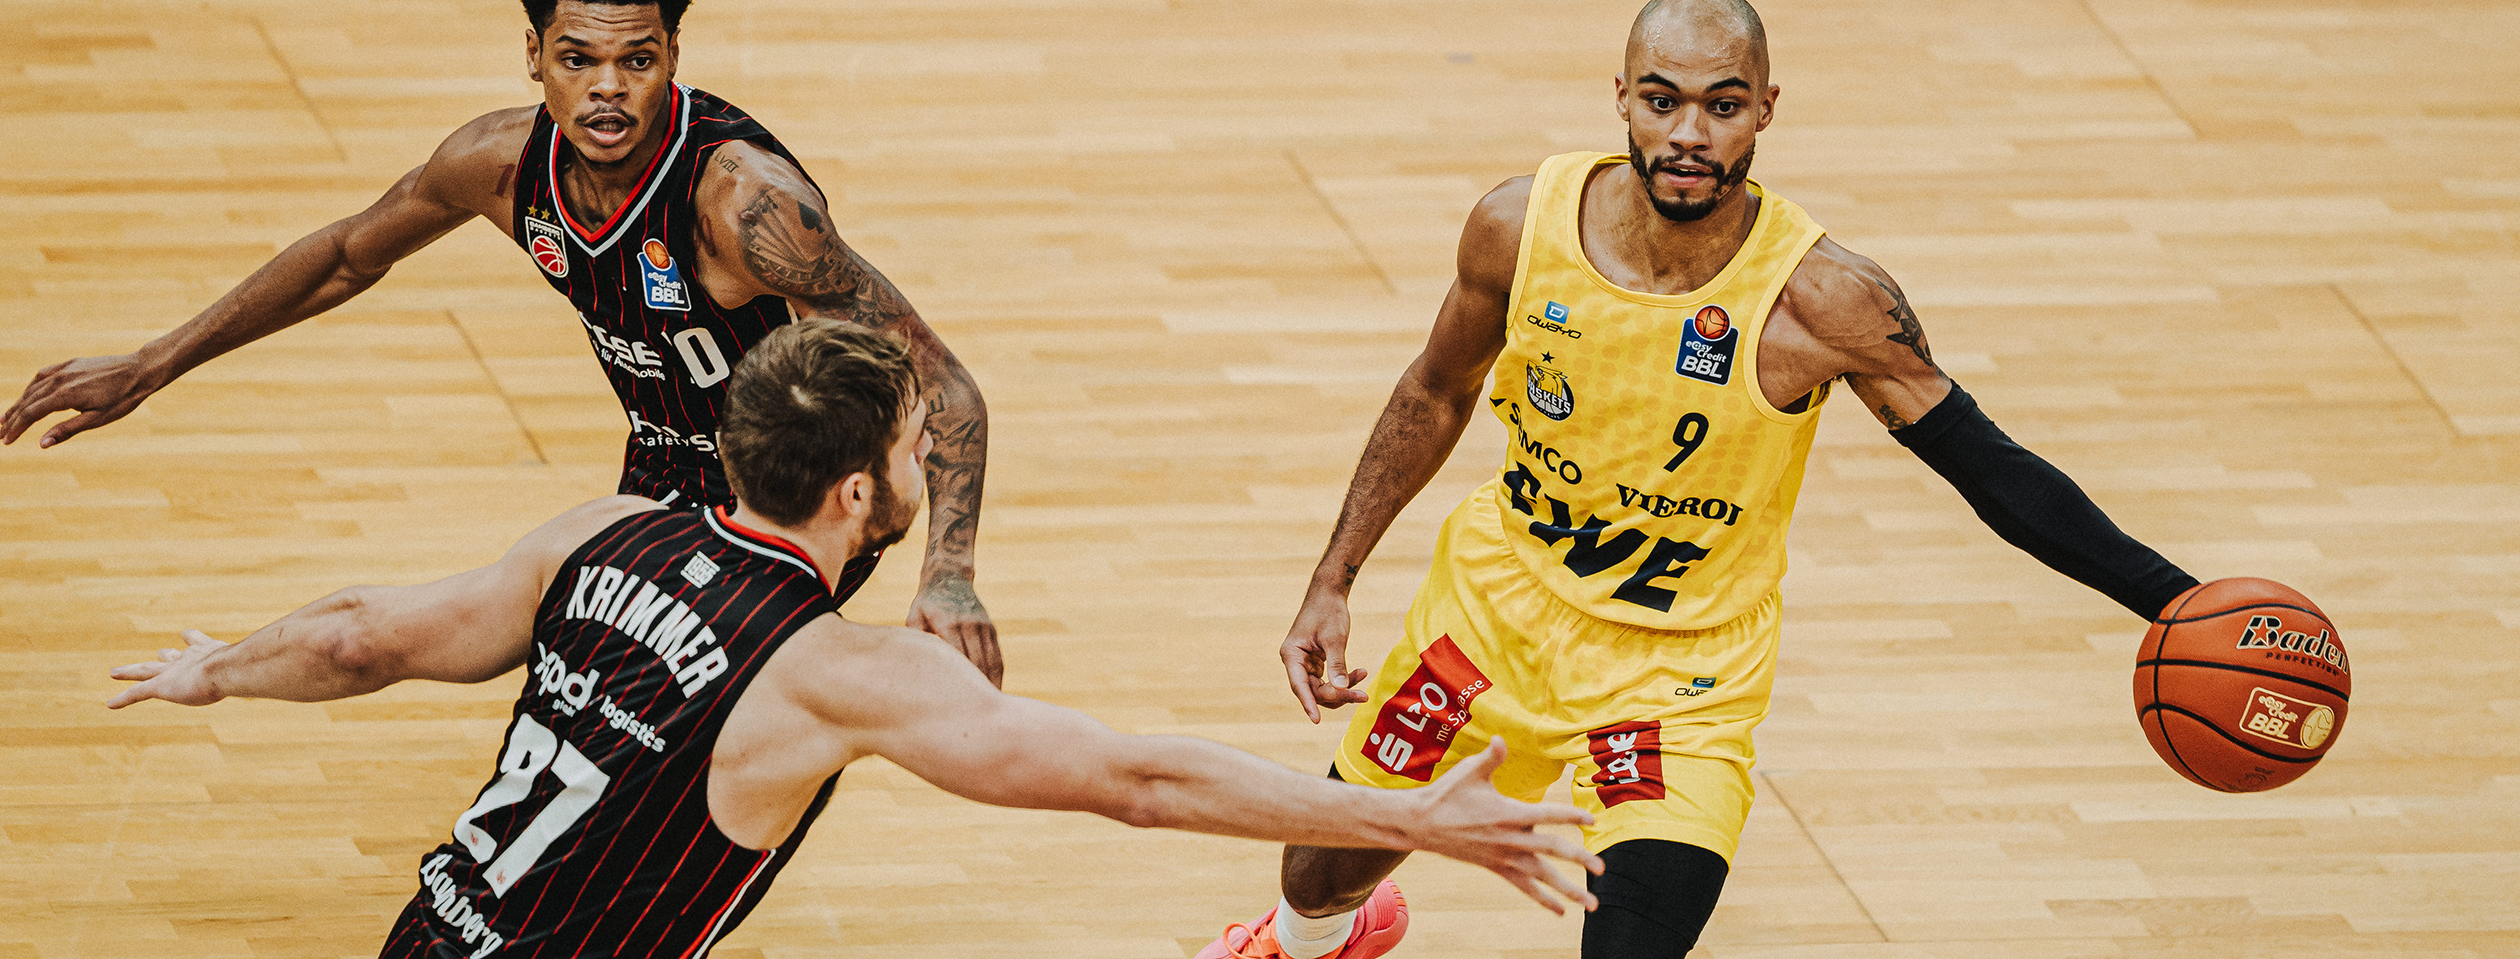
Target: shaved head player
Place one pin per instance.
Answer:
(679, 228)
(1662, 331)
(694, 695)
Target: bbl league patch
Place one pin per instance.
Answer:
(1706, 347)
(542, 240)
(665, 287)
(1549, 391)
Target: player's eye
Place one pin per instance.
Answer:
(1659, 103)
(1722, 108)
(641, 62)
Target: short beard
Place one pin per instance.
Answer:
(892, 516)
(1690, 211)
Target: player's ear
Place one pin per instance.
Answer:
(852, 497)
(1618, 91)
(673, 52)
(1767, 107)
(533, 54)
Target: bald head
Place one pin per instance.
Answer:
(1695, 30)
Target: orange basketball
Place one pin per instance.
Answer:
(2241, 685)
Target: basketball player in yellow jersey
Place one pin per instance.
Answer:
(1662, 332)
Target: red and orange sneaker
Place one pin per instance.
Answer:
(1379, 924)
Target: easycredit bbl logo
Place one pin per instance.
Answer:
(664, 281)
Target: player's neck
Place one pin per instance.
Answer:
(829, 542)
(594, 190)
(1652, 253)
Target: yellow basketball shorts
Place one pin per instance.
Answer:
(1657, 723)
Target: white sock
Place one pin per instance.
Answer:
(1304, 937)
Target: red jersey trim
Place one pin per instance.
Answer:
(638, 201)
(763, 543)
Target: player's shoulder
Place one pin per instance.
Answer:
(839, 667)
(1839, 291)
(741, 168)
(553, 541)
(473, 164)
(1491, 239)
(496, 138)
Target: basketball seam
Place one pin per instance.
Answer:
(2174, 620)
(2237, 668)
(2167, 741)
(2218, 731)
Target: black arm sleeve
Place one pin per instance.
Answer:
(2038, 508)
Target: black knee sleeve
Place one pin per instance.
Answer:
(1655, 897)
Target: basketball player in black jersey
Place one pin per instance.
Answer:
(680, 230)
(695, 694)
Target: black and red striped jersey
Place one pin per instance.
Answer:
(664, 343)
(594, 838)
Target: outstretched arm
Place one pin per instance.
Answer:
(471, 627)
(767, 230)
(1420, 425)
(314, 274)
(1852, 306)
(887, 695)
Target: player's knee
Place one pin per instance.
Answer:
(1655, 898)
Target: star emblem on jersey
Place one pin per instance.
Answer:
(1549, 391)
(542, 240)
(664, 281)
(1706, 347)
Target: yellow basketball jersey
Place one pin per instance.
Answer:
(1647, 480)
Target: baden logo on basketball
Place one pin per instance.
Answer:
(2268, 632)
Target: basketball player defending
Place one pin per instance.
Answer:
(1662, 332)
(677, 226)
(695, 694)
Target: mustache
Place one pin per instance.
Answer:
(1692, 164)
(600, 113)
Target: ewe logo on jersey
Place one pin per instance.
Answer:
(1706, 347)
(652, 617)
(664, 281)
(542, 240)
(1549, 391)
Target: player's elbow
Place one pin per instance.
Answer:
(1145, 800)
(345, 633)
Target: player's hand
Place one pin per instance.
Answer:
(1466, 819)
(177, 676)
(1315, 652)
(101, 388)
(948, 607)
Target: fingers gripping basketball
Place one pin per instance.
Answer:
(2241, 685)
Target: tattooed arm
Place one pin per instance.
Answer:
(767, 231)
(1843, 316)
(1846, 317)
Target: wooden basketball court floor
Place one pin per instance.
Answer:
(2245, 268)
